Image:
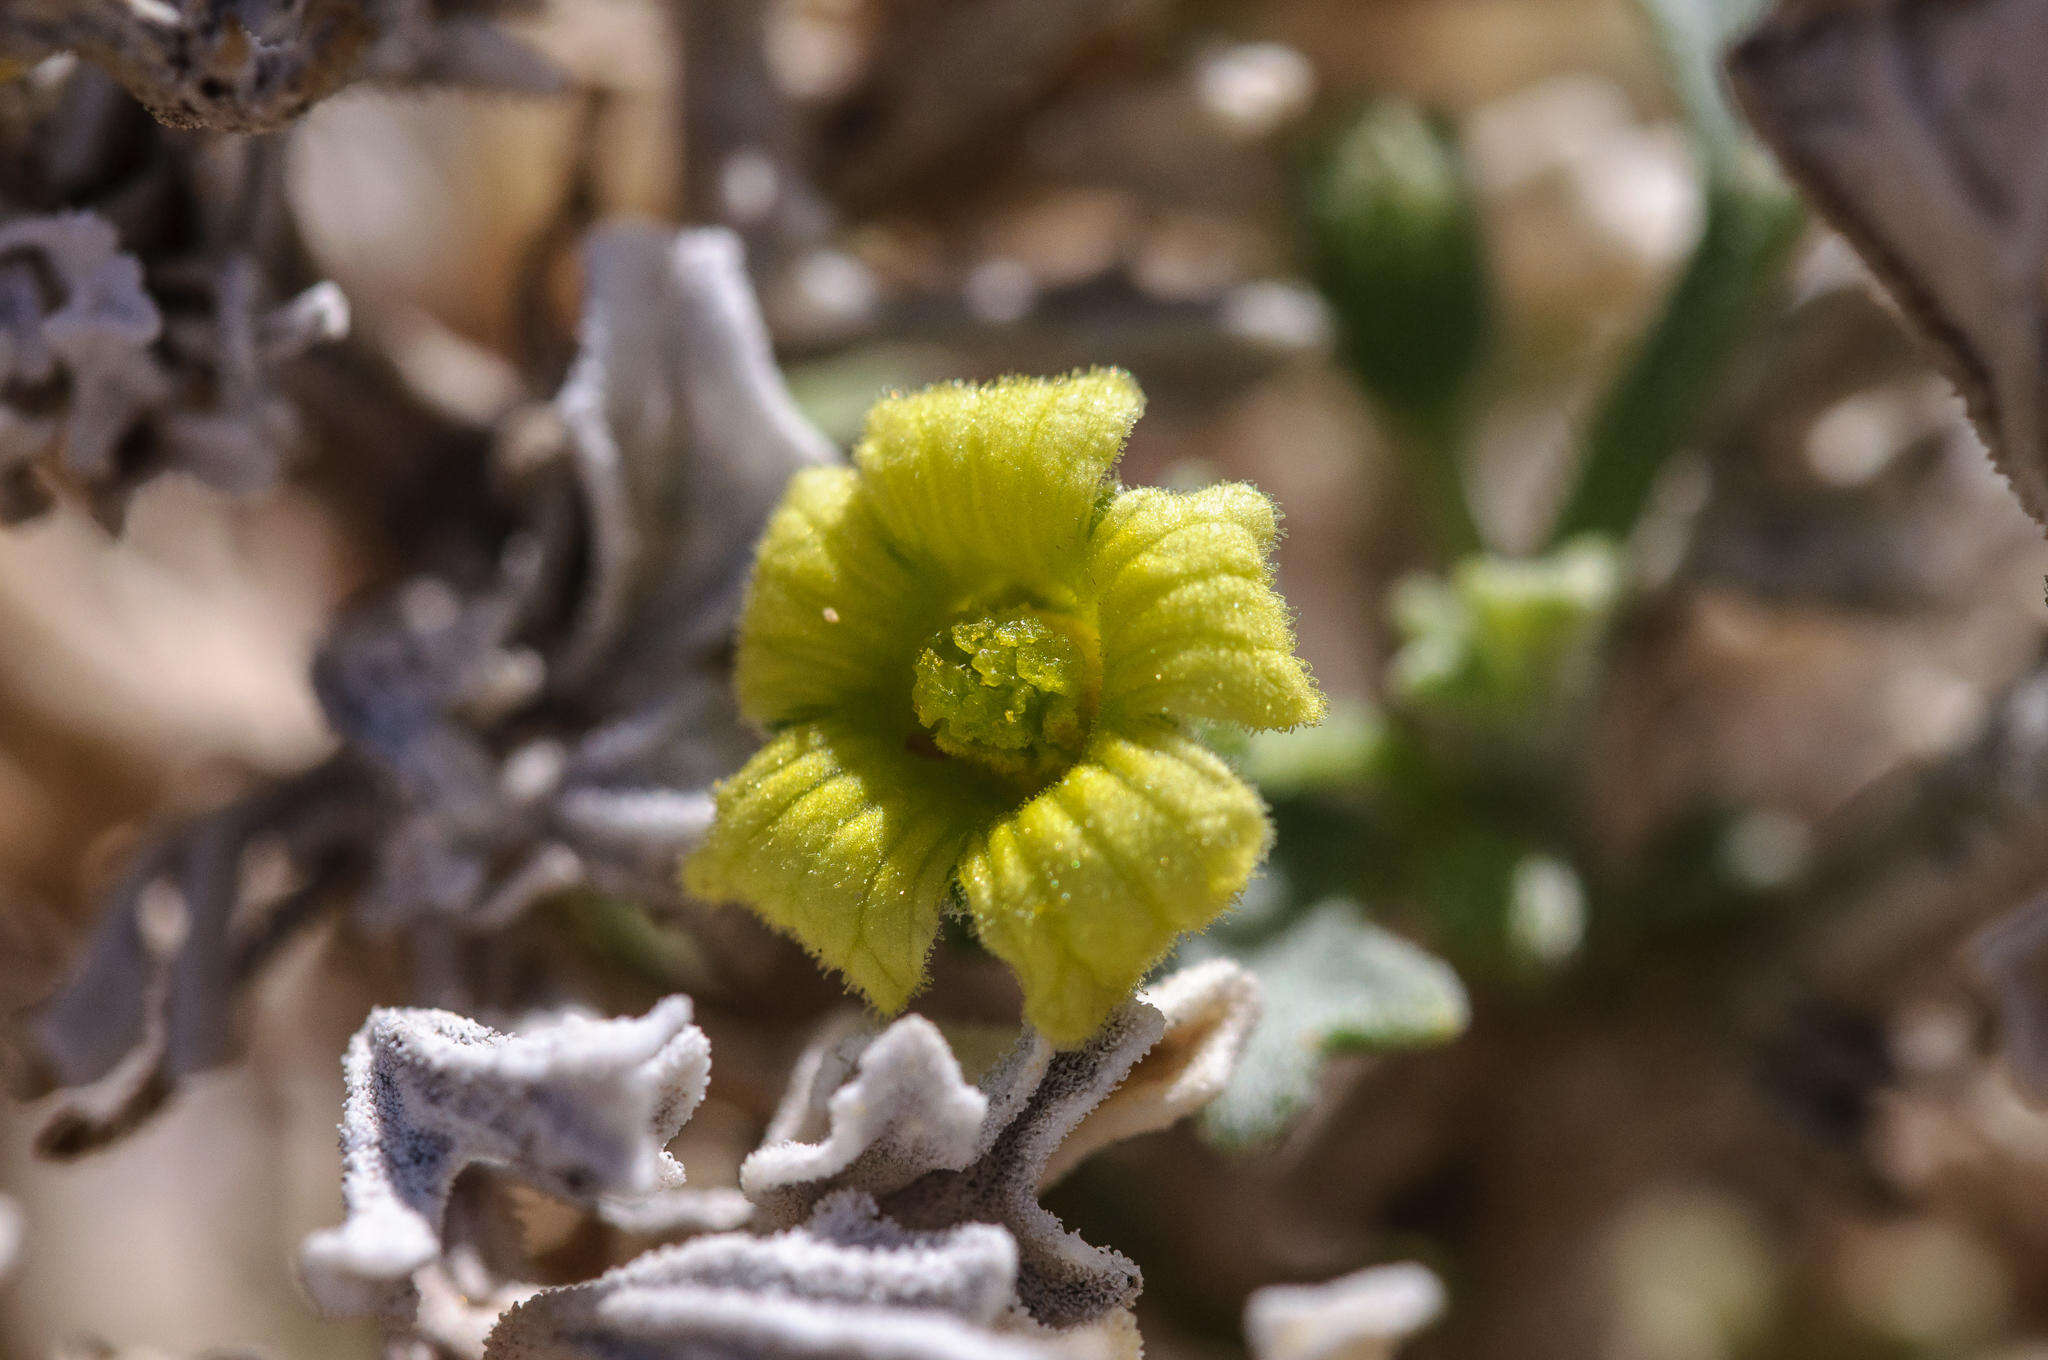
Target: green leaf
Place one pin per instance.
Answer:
(1660, 394)
(1334, 983)
(1083, 888)
(1499, 901)
(1751, 223)
(1189, 620)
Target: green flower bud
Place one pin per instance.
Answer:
(1397, 250)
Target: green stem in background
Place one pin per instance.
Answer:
(1431, 442)
(1751, 225)
(1752, 221)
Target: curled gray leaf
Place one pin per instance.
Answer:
(1915, 127)
(552, 726)
(683, 434)
(580, 1107)
(255, 65)
(1210, 1010)
(892, 1116)
(680, 436)
(1037, 1097)
(199, 907)
(677, 1211)
(872, 1110)
(100, 390)
(76, 325)
(848, 1283)
(2010, 956)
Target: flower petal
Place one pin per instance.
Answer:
(997, 483)
(1084, 887)
(1191, 625)
(833, 616)
(847, 844)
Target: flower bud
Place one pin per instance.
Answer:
(1395, 237)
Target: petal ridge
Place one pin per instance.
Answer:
(844, 862)
(996, 483)
(834, 608)
(1082, 889)
(1191, 625)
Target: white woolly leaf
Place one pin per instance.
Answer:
(890, 1119)
(137, 393)
(97, 336)
(1210, 1010)
(847, 1284)
(872, 1110)
(683, 431)
(579, 1107)
(1362, 1316)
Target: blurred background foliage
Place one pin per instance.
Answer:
(1689, 727)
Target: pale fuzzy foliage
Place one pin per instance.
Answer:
(683, 432)
(1210, 1012)
(81, 375)
(1333, 982)
(680, 434)
(255, 65)
(847, 1283)
(1362, 1316)
(890, 1118)
(677, 1211)
(870, 1110)
(580, 1107)
(906, 1196)
(94, 335)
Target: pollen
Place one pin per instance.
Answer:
(1012, 691)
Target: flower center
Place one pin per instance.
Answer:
(1010, 691)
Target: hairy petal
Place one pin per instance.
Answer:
(833, 616)
(847, 843)
(995, 485)
(1191, 625)
(1084, 887)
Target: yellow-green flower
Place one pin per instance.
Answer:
(977, 656)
